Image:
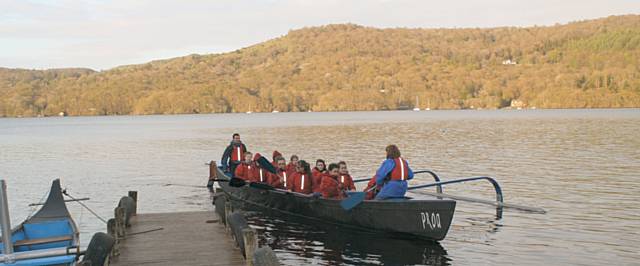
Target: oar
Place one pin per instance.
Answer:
(265, 164)
(354, 199)
(362, 180)
(234, 181)
(365, 179)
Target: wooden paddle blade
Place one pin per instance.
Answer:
(265, 164)
(236, 182)
(354, 199)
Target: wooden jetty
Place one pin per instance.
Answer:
(165, 239)
(177, 238)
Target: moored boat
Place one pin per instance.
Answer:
(399, 218)
(49, 237)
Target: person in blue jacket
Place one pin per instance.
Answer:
(393, 175)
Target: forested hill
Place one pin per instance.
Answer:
(591, 63)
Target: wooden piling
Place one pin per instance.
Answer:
(119, 214)
(112, 231)
(134, 196)
(227, 212)
(250, 239)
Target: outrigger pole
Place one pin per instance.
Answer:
(498, 203)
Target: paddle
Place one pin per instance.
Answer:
(234, 181)
(265, 164)
(239, 182)
(354, 199)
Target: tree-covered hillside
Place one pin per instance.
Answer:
(591, 63)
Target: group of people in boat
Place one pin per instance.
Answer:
(331, 181)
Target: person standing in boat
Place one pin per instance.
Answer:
(317, 173)
(345, 178)
(233, 154)
(302, 178)
(245, 169)
(393, 175)
(331, 188)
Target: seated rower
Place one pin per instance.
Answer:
(274, 156)
(393, 175)
(372, 189)
(245, 169)
(259, 174)
(293, 162)
(317, 173)
(302, 181)
(282, 179)
(330, 187)
(345, 178)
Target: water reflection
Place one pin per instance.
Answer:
(299, 241)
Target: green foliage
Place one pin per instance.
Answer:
(348, 67)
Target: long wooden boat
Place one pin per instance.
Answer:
(49, 237)
(400, 218)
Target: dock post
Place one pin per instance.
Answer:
(250, 244)
(134, 196)
(120, 222)
(227, 212)
(112, 231)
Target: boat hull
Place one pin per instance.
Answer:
(47, 237)
(401, 218)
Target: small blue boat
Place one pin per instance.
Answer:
(49, 237)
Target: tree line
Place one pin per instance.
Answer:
(345, 67)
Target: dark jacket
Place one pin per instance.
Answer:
(226, 156)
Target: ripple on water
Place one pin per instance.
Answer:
(579, 165)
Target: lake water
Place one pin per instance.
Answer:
(581, 166)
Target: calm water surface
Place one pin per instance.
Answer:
(582, 166)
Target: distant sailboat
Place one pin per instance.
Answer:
(417, 109)
(428, 104)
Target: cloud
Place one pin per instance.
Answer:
(104, 34)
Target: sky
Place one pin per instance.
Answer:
(42, 34)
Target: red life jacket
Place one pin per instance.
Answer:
(400, 171)
(330, 188)
(303, 180)
(347, 181)
(237, 154)
(371, 192)
(285, 177)
(261, 175)
(301, 183)
(245, 171)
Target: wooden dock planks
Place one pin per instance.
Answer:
(187, 238)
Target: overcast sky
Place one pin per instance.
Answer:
(104, 34)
